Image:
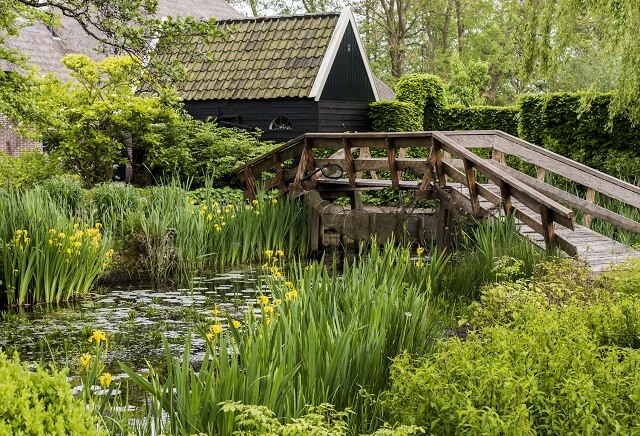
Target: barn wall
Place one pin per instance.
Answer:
(303, 114)
(348, 79)
(343, 116)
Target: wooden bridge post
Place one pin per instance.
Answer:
(473, 187)
(393, 167)
(548, 231)
(591, 198)
(443, 229)
(249, 178)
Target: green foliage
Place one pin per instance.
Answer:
(557, 353)
(39, 402)
(100, 115)
(466, 82)
(424, 91)
(457, 117)
(46, 255)
(202, 151)
(67, 192)
(26, 170)
(581, 127)
(319, 338)
(394, 116)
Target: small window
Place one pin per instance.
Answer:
(280, 123)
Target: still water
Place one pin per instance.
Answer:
(136, 318)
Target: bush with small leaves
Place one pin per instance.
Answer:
(40, 402)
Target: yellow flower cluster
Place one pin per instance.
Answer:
(85, 359)
(98, 336)
(72, 244)
(292, 294)
(214, 330)
(216, 215)
(105, 380)
(21, 238)
(419, 251)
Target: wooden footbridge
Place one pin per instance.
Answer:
(466, 171)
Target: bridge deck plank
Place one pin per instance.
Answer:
(597, 250)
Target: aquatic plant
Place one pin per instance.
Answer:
(47, 255)
(315, 339)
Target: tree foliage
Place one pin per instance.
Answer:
(557, 26)
(120, 27)
(99, 116)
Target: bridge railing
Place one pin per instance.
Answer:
(352, 154)
(504, 145)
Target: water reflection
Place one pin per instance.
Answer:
(137, 318)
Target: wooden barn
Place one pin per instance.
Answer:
(285, 75)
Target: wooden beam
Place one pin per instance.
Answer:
(576, 202)
(348, 157)
(591, 198)
(472, 185)
(391, 157)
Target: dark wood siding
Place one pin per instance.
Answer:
(303, 114)
(343, 116)
(348, 79)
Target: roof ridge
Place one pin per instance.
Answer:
(279, 17)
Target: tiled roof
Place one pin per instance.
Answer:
(45, 51)
(271, 57)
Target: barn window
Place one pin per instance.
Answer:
(280, 123)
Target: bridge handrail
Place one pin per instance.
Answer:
(550, 211)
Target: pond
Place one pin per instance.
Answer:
(136, 318)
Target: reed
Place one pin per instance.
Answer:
(46, 254)
(487, 249)
(315, 339)
(180, 236)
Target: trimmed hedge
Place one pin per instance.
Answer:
(458, 117)
(394, 116)
(425, 91)
(577, 126)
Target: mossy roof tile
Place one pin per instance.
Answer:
(259, 58)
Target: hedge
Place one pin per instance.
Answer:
(394, 116)
(460, 117)
(426, 91)
(578, 126)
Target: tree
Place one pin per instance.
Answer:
(118, 26)
(555, 27)
(99, 116)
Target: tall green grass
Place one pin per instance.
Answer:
(179, 236)
(46, 254)
(489, 250)
(318, 338)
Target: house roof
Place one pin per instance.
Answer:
(269, 57)
(45, 50)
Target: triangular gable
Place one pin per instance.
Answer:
(346, 27)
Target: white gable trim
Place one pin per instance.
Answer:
(346, 17)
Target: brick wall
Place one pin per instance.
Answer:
(11, 142)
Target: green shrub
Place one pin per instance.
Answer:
(426, 92)
(39, 402)
(115, 205)
(66, 191)
(556, 355)
(27, 169)
(200, 151)
(580, 127)
(394, 116)
(458, 117)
